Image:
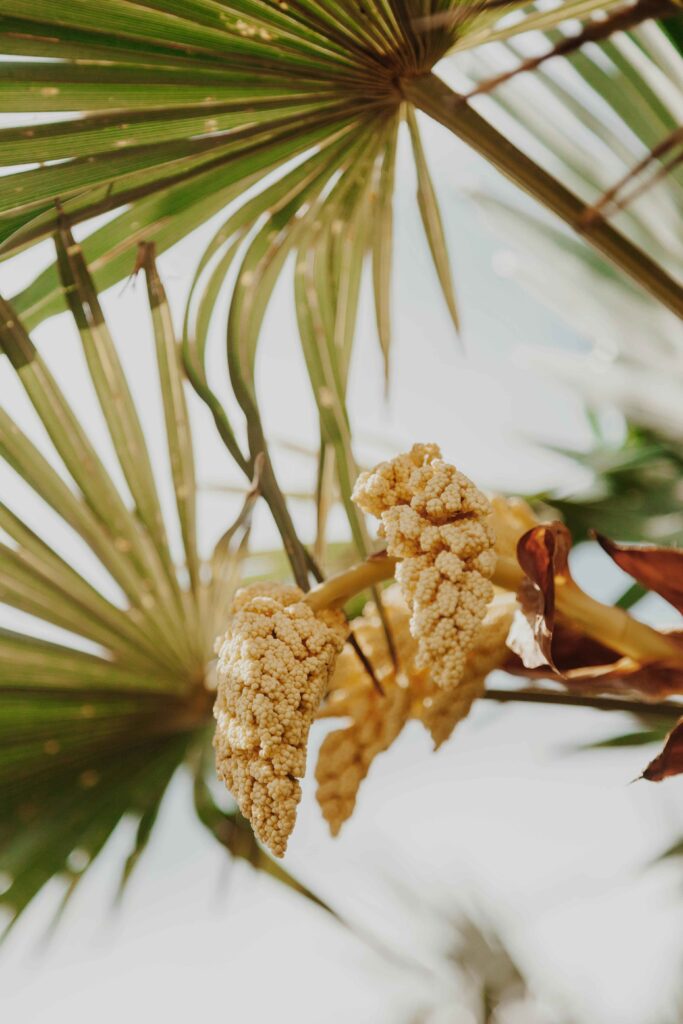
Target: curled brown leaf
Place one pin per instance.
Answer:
(558, 650)
(670, 761)
(542, 553)
(621, 677)
(657, 568)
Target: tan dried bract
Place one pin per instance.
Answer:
(376, 718)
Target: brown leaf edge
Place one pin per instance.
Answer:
(657, 568)
(670, 761)
(588, 669)
(542, 553)
(543, 648)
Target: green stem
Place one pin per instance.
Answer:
(429, 94)
(664, 709)
(296, 553)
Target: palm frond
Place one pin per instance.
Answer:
(634, 493)
(286, 117)
(90, 736)
(632, 359)
(184, 108)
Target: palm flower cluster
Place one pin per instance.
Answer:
(424, 653)
(273, 670)
(377, 718)
(280, 657)
(434, 520)
(441, 710)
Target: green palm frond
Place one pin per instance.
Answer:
(283, 120)
(184, 107)
(633, 358)
(634, 492)
(93, 729)
(637, 78)
(286, 115)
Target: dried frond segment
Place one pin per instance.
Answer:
(435, 522)
(376, 720)
(274, 665)
(442, 710)
(346, 754)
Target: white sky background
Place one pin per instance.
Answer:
(504, 822)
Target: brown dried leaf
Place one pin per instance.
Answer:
(548, 650)
(657, 568)
(572, 649)
(622, 677)
(670, 761)
(588, 667)
(542, 553)
(628, 678)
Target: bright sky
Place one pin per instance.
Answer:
(506, 822)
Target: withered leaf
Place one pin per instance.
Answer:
(670, 761)
(621, 677)
(657, 568)
(572, 649)
(547, 649)
(542, 553)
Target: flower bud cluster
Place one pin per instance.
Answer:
(377, 719)
(435, 522)
(274, 666)
(442, 710)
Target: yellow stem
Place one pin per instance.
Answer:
(338, 589)
(612, 626)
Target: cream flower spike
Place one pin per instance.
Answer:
(436, 523)
(274, 666)
(346, 754)
(442, 710)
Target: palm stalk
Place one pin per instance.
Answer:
(610, 625)
(435, 98)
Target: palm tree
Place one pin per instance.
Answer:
(284, 118)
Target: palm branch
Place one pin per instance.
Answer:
(286, 117)
(187, 105)
(634, 490)
(637, 79)
(93, 728)
(632, 356)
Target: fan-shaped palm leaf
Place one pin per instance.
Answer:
(90, 736)
(184, 107)
(627, 329)
(633, 360)
(188, 104)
